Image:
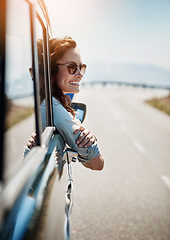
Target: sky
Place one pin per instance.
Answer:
(115, 31)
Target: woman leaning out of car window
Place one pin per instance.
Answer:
(67, 71)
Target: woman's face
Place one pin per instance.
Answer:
(65, 81)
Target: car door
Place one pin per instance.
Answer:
(35, 186)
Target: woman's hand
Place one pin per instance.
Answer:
(32, 141)
(86, 138)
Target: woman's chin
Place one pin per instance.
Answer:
(76, 90)
(72, 91)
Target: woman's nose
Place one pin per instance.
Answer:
(78, 73)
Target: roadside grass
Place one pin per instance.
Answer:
(163, 104)
(16, 114)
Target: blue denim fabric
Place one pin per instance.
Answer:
(66, 124)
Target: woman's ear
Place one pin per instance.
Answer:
(31, 72)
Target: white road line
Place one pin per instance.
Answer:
(166, 180)
(139, 147)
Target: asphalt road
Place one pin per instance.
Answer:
(130, 198)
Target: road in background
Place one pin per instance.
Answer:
(130, 198)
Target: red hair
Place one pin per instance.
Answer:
(58, 47)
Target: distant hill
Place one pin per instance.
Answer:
(132, 73)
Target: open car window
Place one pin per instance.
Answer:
(41, 62)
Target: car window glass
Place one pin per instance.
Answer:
(19, 112)
(39, 38)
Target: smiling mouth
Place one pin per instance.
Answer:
(75, 83)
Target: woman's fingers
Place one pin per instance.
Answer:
(83, 137)
(34, 135)
(80, 128)
(90, 142)
(32, 141)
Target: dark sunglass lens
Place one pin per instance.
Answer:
(72, 68)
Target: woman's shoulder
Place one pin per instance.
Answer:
(59, 111)
(55, 101)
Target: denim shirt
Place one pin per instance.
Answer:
(66, 124)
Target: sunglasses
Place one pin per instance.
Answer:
(72, 67)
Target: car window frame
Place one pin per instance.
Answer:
(2, 82)
(12, 187)
(47, 75)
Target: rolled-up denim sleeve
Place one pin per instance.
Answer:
(66, 124)
(92, 152)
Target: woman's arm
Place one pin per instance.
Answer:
(96, 163)
(86, 139)
(66, 124)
